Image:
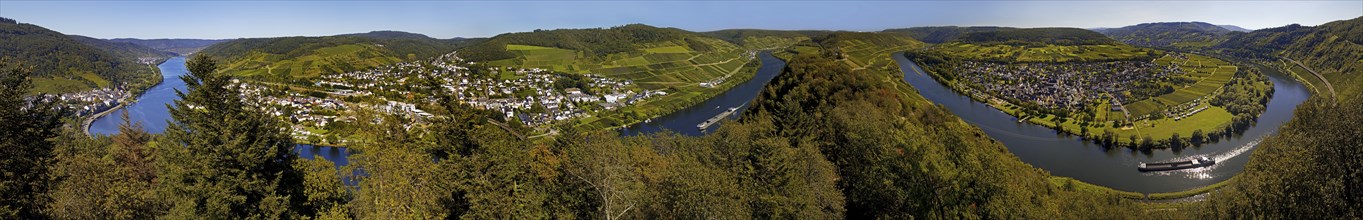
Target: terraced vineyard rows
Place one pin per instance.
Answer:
(1213, 74)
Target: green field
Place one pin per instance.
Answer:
(326, 60)
(770, 42)
(53, 85)
(1212, 74)
(861, 54)
(80, 82)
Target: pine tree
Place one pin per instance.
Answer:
(223, 159)
(26, 127)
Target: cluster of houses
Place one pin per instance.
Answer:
(529, 95)
(94, 101)
(301, 110)
(1063, 85)
(533, 98)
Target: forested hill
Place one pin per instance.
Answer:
(942, 34)
(593, 42)
(1332, 49)
(1169, 34)
(287, 58)
(177, 46)
(1309, 168)
(653, 57)
(736, 35)
(62, 63)
(122, 49)
(389, 35)
(1032, 36)
(897, 155)
(1234, 28)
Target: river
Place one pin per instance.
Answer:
(1064, 155)
(1061, 155)
(684, 121)
(151, 109)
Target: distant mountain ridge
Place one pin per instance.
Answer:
(1055, 36)
(597, 41)
(389, 35)
(123, 49)
(62, 63)
(1234, 28)
(1169, 34)
(988, 35)
(177, 46)
(942, 34)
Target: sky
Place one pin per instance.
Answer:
(449, 19)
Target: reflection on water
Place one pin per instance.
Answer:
(1206, 172)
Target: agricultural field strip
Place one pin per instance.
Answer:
(1205, 86)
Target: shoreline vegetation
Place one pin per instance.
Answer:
(1069, 183)
(1230, 126)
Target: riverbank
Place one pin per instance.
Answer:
(1080, 159)
(138, 92)
(1181, 127)
(85, 123)
(1163, 197)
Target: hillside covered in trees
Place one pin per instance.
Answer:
(1032, 36)
(593, 42)
(838, 134)
(1169, 34)
(66, 63)
(289, 58)
(942, 34)
(824, 140)
(1309, 168)
(182, 47)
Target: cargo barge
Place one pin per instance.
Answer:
(1176, 165)
(703, 125)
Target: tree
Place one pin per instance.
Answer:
(106, 178)
(130, 151)
(25, 146)
(400, 181)
(1198, 137)
(326, 195)
(223, 158)
(607, 167)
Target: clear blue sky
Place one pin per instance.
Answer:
(447, 19)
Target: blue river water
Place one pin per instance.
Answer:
(1039, 146)
(152, 110)
(684, 121)
(1069, 156)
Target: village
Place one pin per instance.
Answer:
(94, 101)
(535, 97)
(1066, 85)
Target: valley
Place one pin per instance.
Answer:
(728, 110)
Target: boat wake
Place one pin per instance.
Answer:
(1205, 172)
